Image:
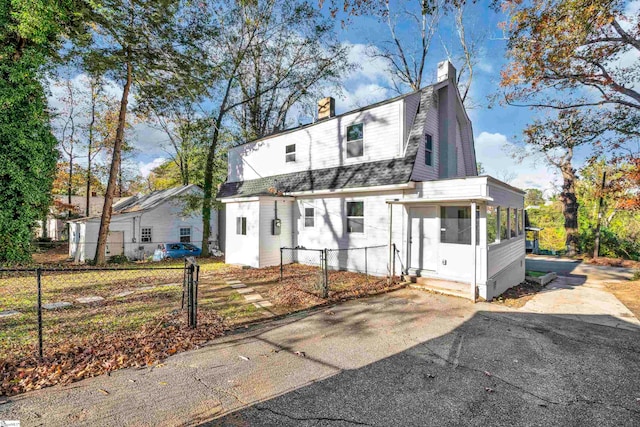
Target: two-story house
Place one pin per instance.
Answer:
(399, 172)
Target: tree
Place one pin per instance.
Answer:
(533, 197)
(575, 55)
(132, 41)
(557, 138)
(31, 33)
(245, 30)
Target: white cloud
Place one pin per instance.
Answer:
(145, 168)
(494, 150)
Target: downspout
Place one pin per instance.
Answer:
(391, 273)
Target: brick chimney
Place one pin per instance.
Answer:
(446, 71)
(326, 108)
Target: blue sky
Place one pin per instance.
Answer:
(496, 128)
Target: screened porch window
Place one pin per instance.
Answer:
(492, 224)
(455, 225)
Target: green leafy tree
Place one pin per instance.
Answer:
(31, 32)
(533, 197)
(133, 42)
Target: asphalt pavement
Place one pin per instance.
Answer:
(404, 358)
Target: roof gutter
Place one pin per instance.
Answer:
(390, 187)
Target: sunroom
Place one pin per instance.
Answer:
(447, 219)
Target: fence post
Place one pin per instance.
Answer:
(366, 268)
(281, 260)
(39, 280)
(325, 274)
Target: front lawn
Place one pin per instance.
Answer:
(137, 319)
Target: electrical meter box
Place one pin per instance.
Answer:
(276, 225)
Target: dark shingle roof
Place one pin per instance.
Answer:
(383, 172)
(371, 174)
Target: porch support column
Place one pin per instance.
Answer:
(391, 254)
(474, 251)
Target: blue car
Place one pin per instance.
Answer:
(179, 250)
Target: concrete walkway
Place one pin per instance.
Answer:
(580, 292)
(403, 358)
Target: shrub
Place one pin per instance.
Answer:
(118, 259)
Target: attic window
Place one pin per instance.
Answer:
(428, 150)
(290, 153)
(355, 140)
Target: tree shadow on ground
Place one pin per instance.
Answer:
(496, 368)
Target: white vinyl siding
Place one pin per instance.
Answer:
(322, 145)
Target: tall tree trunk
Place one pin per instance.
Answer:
(208, 190)
(596, 243)
(100, 256)
(569, 205)
(89, 152)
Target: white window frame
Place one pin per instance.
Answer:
(305, 217)
(241, 225)
(348, 217)
(290, 157)
(180, 235)
(142, 229)
(346, 138)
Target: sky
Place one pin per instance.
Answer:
(497, 129)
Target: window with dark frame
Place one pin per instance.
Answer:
(241, 225)
(355, 217)
(185, 234)
(290, 153)
(355, 140)
(309, 217)
(428, 150)
(145, 235)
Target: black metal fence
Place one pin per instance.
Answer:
(369, 260)
(47, 305)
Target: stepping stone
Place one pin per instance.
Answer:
(233, 281)
(238, 286)
(253, 297)
(8, 313)
(263, 304)
(89, 300)
(56, 305)
(145, 288)
(123, 294)
(245, 290)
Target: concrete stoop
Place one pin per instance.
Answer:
(444, 287)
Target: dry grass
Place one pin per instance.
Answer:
(628, 293)
(612, 262)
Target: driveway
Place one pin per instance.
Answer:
(404, 358)
(580, 291)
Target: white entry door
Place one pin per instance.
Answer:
(424, 238)
(115, 243)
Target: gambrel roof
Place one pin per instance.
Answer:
(368, 174)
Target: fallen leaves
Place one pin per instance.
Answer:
(97, 354)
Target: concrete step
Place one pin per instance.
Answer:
(455, 289)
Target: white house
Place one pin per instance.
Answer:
(140, 223)
(402, 171)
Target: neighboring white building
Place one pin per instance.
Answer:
(140, 223)
(402, 171)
